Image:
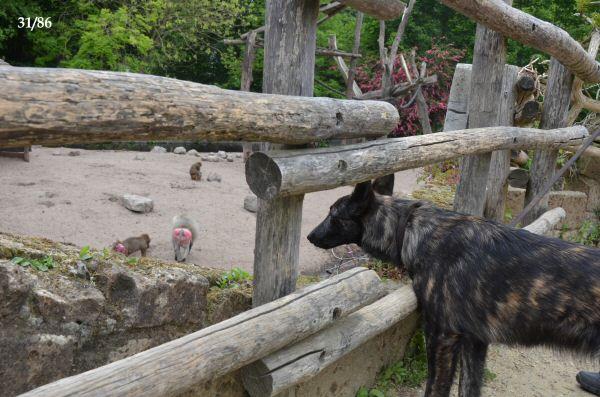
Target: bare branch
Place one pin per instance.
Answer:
(355, 49)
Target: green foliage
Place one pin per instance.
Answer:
(85, 254)
(489, 376)
(588, 233)
(42, 265)
(233, 278)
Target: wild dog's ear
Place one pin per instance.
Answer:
(361, 197)
(384, 185)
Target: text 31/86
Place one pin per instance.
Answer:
(33, 23)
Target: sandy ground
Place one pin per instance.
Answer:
(68, 199)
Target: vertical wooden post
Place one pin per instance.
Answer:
(289, 63)
(554, 114)
(497, 186)
(246, 81)
(486, 85)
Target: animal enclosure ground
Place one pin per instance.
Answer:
(73, 199)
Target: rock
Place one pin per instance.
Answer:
(57, 153)
(139, 157)
(80, 270)
(179, 150)
(211, 159)
(158, 149)
(238, 155)
(47, 203)
(15, 286)
(213, 177)
(193, 152)
(137, 203)
(74, 153)
(251, 203)
(222, 154)
(230, 159)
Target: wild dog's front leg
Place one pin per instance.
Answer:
(472, 365)
(442, 353)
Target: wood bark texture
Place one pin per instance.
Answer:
(525, 28)
(67, 106)
(554, 115)
(342, 67)
(497, 185)
(457, 113)
(380, 9)
(285, 173)
(489, 57)
(547, 221)
(171, 368)
(289, 64)
(518, 177)
(305, 359)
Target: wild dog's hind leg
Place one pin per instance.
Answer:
(442, 354)
(472, 365)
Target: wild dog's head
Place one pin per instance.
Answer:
(343, 224)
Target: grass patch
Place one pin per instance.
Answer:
(588, 234)
(411, 371)
(233, 278)
(43, 265)
(489, 376)
(385, 270)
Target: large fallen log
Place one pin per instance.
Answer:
(173, 367)
(273, 174)
(529, 30)
(380, 9)
(67, 106)
(297, 363)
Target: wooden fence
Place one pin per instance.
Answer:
(54, 106)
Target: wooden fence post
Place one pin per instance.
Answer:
(554, 114)
(290, 43)
(497, 185)
(486, 85)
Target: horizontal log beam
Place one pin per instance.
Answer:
(173, 367)
(547, 221)
(380, 9)
(68, 106)
(529, 30)
(401, 88)
(297, 363)
(274, 174)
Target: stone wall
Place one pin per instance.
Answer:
(62, 322)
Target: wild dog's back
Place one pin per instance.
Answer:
(503, 284)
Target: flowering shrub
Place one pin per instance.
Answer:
(441, 60)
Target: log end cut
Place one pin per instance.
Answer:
(263, 176)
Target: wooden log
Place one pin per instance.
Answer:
(67, 106)
(400, 89)
(489, 57)
(525, 83)
(497, 185)
(380, 9)
(285, 173)
(354, 61)
(246, 82)
(519, 157)
(333, 53)
(300, 362)
(278, 222)
(457, 113)
(171, 368)
(520, 26)
(547, 221)
(554, 115)
(518, 177)
(527, 113)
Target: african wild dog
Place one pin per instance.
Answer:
(477, 281)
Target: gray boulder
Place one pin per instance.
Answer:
(137, 203)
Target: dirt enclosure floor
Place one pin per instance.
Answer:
(72, 199)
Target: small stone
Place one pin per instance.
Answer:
(193, 152)
(74, 153)
(251, 203)
(137, 203)
(179, 150)
(222, 154)
(139, 157)
(230, 159)
(57, 153)
(213, 177)
(211, 159)
(238, 155)
(47, 203)
(158, 149)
